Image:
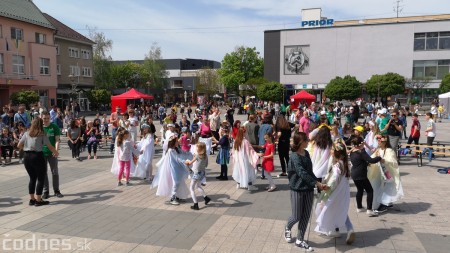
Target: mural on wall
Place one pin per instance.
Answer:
(296, 60)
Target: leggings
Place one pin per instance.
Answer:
(301, 204)
(75, 148)
(92, 145)
(124, 165)
(7, 148)
(362, 185)
(36, 168)
(196, 184)
(224, 170)
(283, 154)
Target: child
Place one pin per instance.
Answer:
(244, 162)
(146, 146)
(185, 140)
(223, 158)
(333, 203)
(267, 163)
(172, 173)
(6, 142)
(200, 161)
(127, 150)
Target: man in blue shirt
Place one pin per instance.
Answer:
(53, 114)
(22, 116)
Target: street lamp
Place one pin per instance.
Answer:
(74, 91)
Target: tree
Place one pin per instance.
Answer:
(445, 84)
(127, 75)
(414, 85)
(154, 69)
(26, 97)
(239, 66)
(98, 97)
(101, 58)
(343, 88)
(270, 91)
(250, 87)
(207, 82)
(385, 85)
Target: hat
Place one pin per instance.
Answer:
(145, 126)
(170, 125)
(383, 111)
(359, 128)
(323, 113)
(371, 123)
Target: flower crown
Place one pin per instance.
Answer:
(339, 146)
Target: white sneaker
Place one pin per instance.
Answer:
(372, 213)
(334, 234)
(360, 210)
(252, 188)
(350, 237)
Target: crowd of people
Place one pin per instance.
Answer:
(319, 147)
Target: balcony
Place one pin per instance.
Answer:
(18, 79)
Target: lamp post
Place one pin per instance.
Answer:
(74, 91)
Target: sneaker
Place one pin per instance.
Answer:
(32, 202)
(219, 177)
(128, 183)
(20, 161)
(303, 245)
(45, 195)
(372, 213)
(282, 175)
(119, 183)
(360, 210)
(350, 237)
(59, 194)
(287, 235)
(207, 200)
(382, 209)
(252, 188)
(335, 234)
(271, 189)
(41, 203)
(263, 177)
(174, 201)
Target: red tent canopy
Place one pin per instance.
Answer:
(121, 100)
(302, 96)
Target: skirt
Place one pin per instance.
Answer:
(223, 158)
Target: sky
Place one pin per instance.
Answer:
(209, 29)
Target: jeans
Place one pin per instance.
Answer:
(53, 162)
(113, 141)
(429, 150)
(92, 145)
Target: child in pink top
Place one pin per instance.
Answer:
(185, 140)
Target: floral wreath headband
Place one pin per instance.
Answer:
(338, 146)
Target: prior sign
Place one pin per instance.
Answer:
(323, 22)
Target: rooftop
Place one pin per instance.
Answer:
(393, 20)
(66, 32)
(24, 10)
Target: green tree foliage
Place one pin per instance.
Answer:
(251, 86)
(343, 88)
(389, 84)
(445, 84)
(26, 97)
(270, 91)
(98, 97)
(207, 82)
(239, 66)
(128, 75)
(101, 58)
(154, 70)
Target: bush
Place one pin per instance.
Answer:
(343, 88)
(445, 84)
(389, 84)
(26, 97)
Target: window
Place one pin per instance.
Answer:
(45, 66)
(74, 70)
(40, 38)
(435, 70)
(57, 49)
(85, 54)
(1, 32)
(1, 63)
(74, 53)
(432, 41)
(87, 71)
(16, 33)
(58, 69)
(18, 64)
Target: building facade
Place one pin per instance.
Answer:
(308, 58)
(27, 52)
(74, 66)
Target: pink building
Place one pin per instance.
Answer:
(27, 52)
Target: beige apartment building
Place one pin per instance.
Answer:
(27, 51)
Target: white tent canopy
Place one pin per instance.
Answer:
(444, 99)
(445, 95)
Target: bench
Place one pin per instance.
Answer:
(438, 149)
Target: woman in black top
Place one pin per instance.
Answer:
(301, 182)
(360, 159)
(283, 136)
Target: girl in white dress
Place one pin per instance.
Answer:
(244, 160)
(146, 146)
(370, 141)
(333, 204)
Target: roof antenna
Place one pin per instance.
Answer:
(397, 7)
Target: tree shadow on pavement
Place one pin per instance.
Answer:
(9, 202)
(371, 238)
(86, 197)
(410, 207)
(3, 214)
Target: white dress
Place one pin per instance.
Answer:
(144, 164)
(132, 128)
(319, 158)
(371, 141)
(333, 204)
(244, 163)
(172, 171)
(385, 191)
